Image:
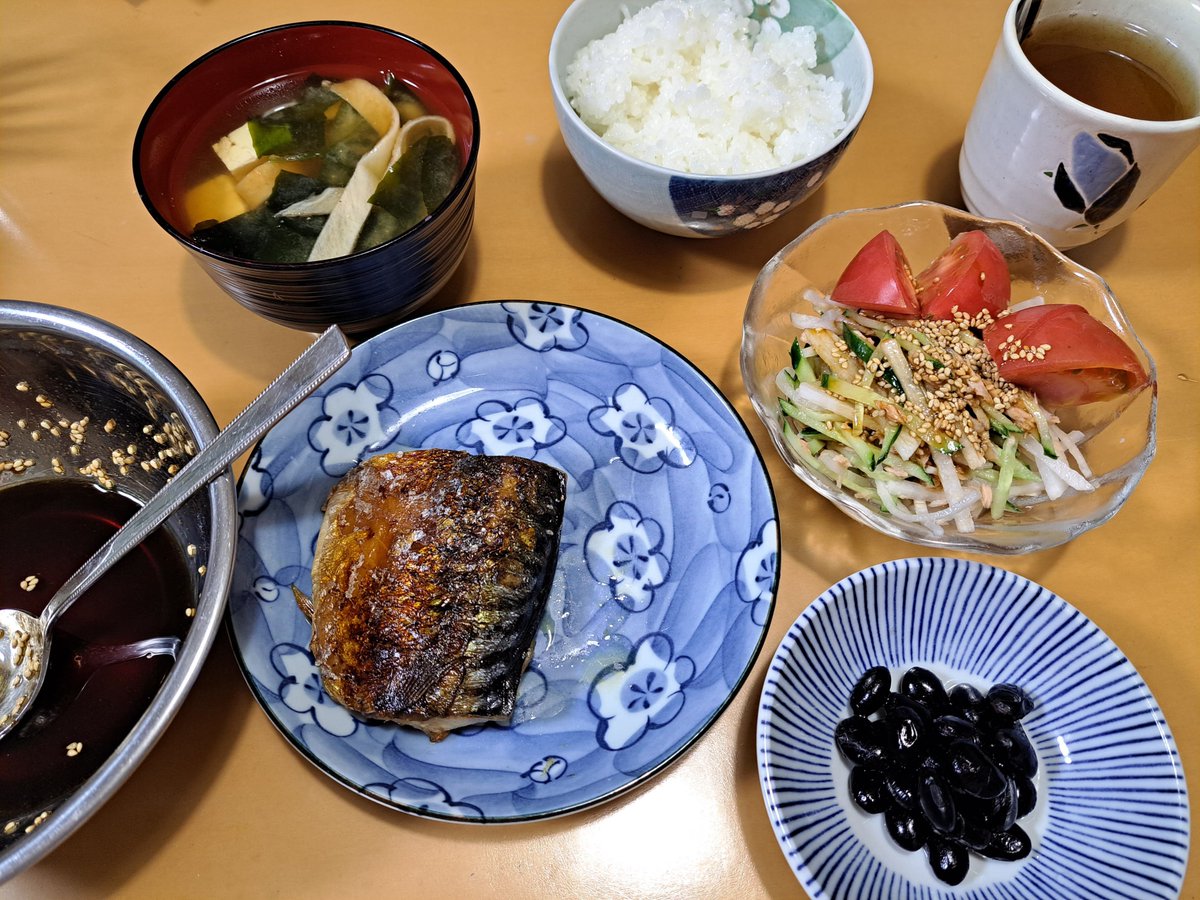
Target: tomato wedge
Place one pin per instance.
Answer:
(1063, 354)
(879, 278)
(970, 275)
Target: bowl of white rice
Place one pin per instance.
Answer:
(703, 118)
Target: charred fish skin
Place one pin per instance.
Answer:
(431, 574)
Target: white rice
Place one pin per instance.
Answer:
(700, 87)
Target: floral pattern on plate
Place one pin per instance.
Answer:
(665, 579)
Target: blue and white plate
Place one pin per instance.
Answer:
(1112, 812)
(666, 573)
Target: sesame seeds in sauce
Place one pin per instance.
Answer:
(63, 442)
(172, 440)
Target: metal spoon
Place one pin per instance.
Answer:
(74, 670)
(25, 639)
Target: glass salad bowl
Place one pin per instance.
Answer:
(1116, 437)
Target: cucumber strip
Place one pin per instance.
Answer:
(796, 354)
(805, 454)
(807, 417)
(1021, 473)
(865, 351)
(858, 345)
(1008, 455)
(1001, 424)
(1043, 424)
(818, 422)
(921, 343)
(845, 476)
(889, 440)
(912, 391)
(866, 452)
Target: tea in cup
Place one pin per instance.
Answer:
(1086, 109)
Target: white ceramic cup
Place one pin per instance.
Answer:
(1034, 154)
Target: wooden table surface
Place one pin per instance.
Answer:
(223, 806)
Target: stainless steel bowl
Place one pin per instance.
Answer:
(59, 366)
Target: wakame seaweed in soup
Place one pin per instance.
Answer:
(340, 168)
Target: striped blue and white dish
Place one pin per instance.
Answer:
(1112, 812)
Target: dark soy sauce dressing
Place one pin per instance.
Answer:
(49, 529)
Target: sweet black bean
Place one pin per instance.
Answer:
(972, 835)
(870, 690)
(969, 770)
(997, 811)
(948, 859)
(867, 789)
(967, 702)
(907, 828)
(937, 803)
(901, 786)
(1008, 845)
(858, 739)
(1013, 753)
(908, 728)
(950, 770)
(955, 728)
(924, 687)
(1009, 805)
(1007, 701)
(1026, 795)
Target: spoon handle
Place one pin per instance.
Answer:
(297, 381)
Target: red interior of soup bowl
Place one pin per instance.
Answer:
(214, 94)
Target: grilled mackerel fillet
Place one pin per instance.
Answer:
(430, 576)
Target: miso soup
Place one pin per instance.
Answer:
(314, 167)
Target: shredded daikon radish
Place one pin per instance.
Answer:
(816, 398)
(825, 322)
(1058, 466)
(1071, 442)
(953, 488)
